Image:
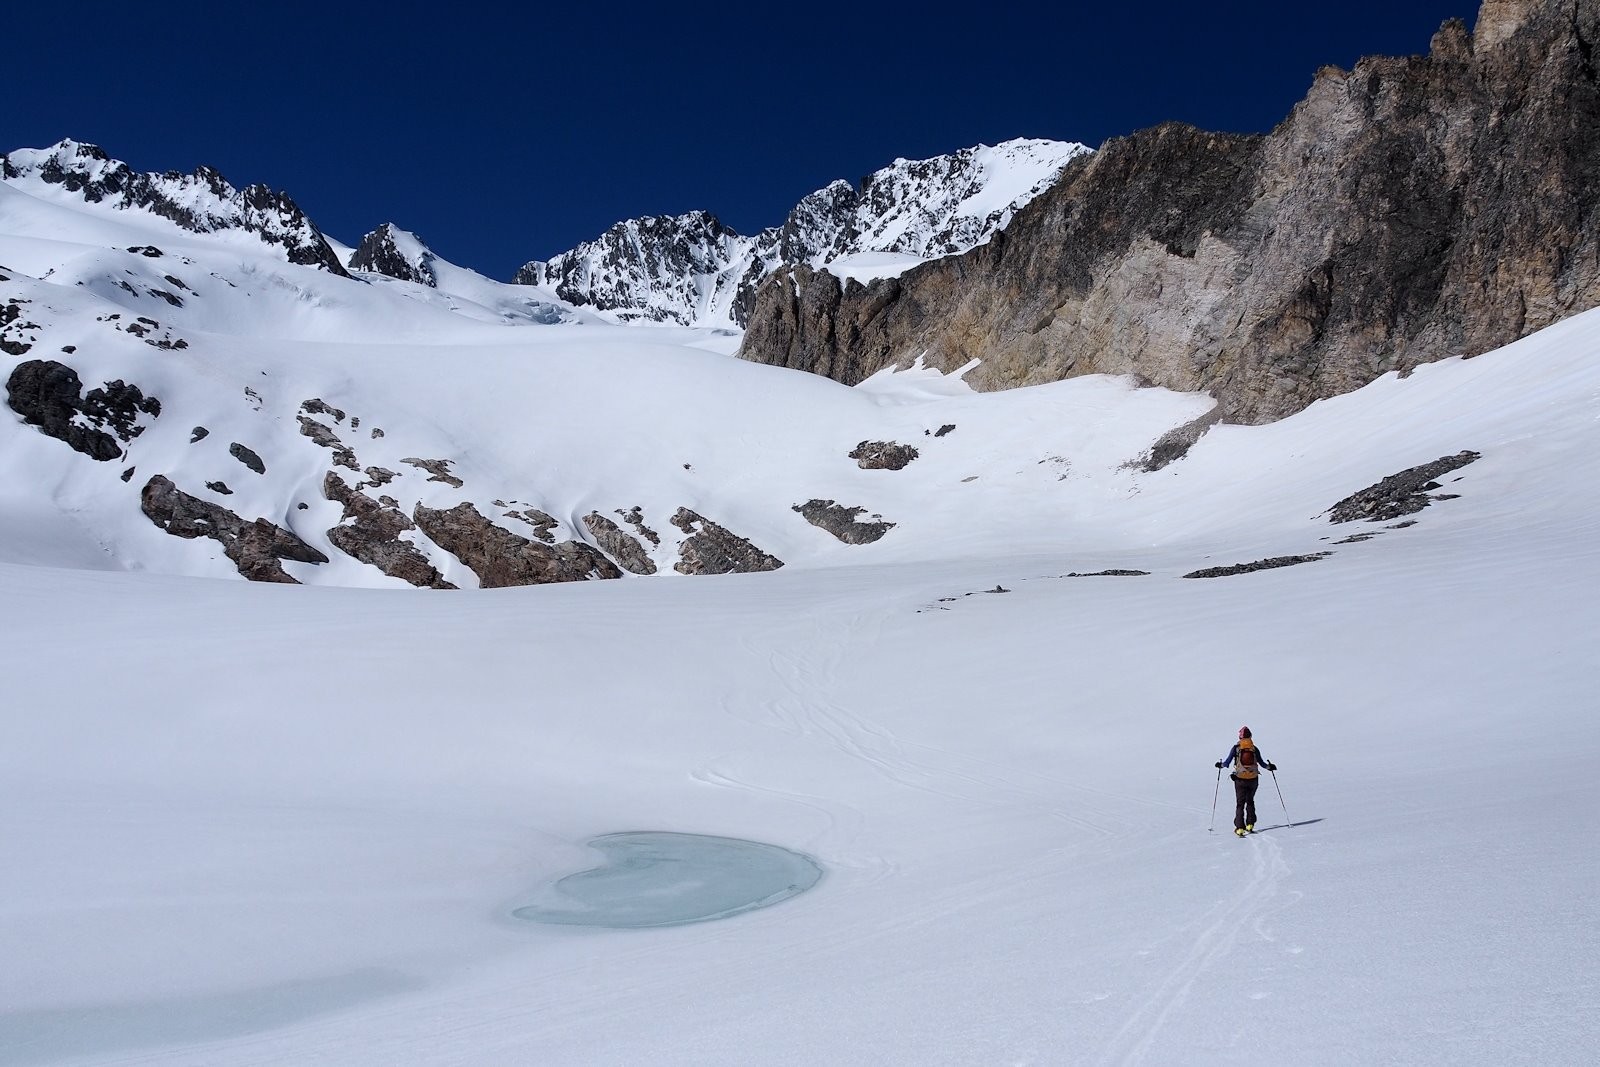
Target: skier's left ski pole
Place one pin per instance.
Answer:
(1281, 804)
(1212, 827)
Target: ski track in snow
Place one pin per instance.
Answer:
(1201, 946)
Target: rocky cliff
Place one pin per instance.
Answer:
(1408, 210)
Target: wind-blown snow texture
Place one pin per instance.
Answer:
(692, 270)
(251, 824)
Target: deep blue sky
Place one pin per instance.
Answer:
(507, 133)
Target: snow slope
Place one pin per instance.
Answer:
(561, 413)
(289, 825)
(261, 824)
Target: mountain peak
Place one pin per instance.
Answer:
(693, 269)
(201, 202)
(396, 253)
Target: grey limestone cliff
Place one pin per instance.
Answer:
(1408, 210)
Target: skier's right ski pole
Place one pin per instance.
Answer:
(1212, 826)
(1281, 804)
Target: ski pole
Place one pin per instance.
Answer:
(1212, 826)
(1281, 804)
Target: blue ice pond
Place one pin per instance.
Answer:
(665, 879)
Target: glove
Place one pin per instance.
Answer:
(1233, 777)
(1273, 767)
(1218, 765)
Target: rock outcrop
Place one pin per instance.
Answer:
(17, 334)
(1400, 494)
(1408, 210)
(370, 532)
(327, 438)
(438, 470)
(50, 395)
(247, 456)
(500, 558)
(620, 545)
(883, 455)
(396, 253)
(1257, 565)
(713, 549)
(257, 548)
(843, 522)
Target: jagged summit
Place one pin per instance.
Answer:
(693, 269)
(396, 253)
(671, 268)
(201, 202)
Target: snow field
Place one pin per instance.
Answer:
(258, 825)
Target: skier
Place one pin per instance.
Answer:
(1245, 780)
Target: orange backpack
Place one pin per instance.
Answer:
(1248, 767)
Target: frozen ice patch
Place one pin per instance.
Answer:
(667, 879)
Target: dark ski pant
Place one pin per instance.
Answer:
(1244, 802)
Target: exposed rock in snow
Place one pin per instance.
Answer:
(318, 406)
(543, 524)
(50, 395)
(256, 548)
(324, 436)
(1258, 565)
(634, 517)
(500, 558)
(379, 476)
(438, 470)
(17, 335)
(248, 457)
(370, 531)
(712, 549)
(882, 455)
(1400, 494)
(620, 545)
(1176, 442)
(842, 522)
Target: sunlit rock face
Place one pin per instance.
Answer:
(1411, 209)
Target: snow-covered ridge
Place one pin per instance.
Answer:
(694, 270)
(203, 202)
